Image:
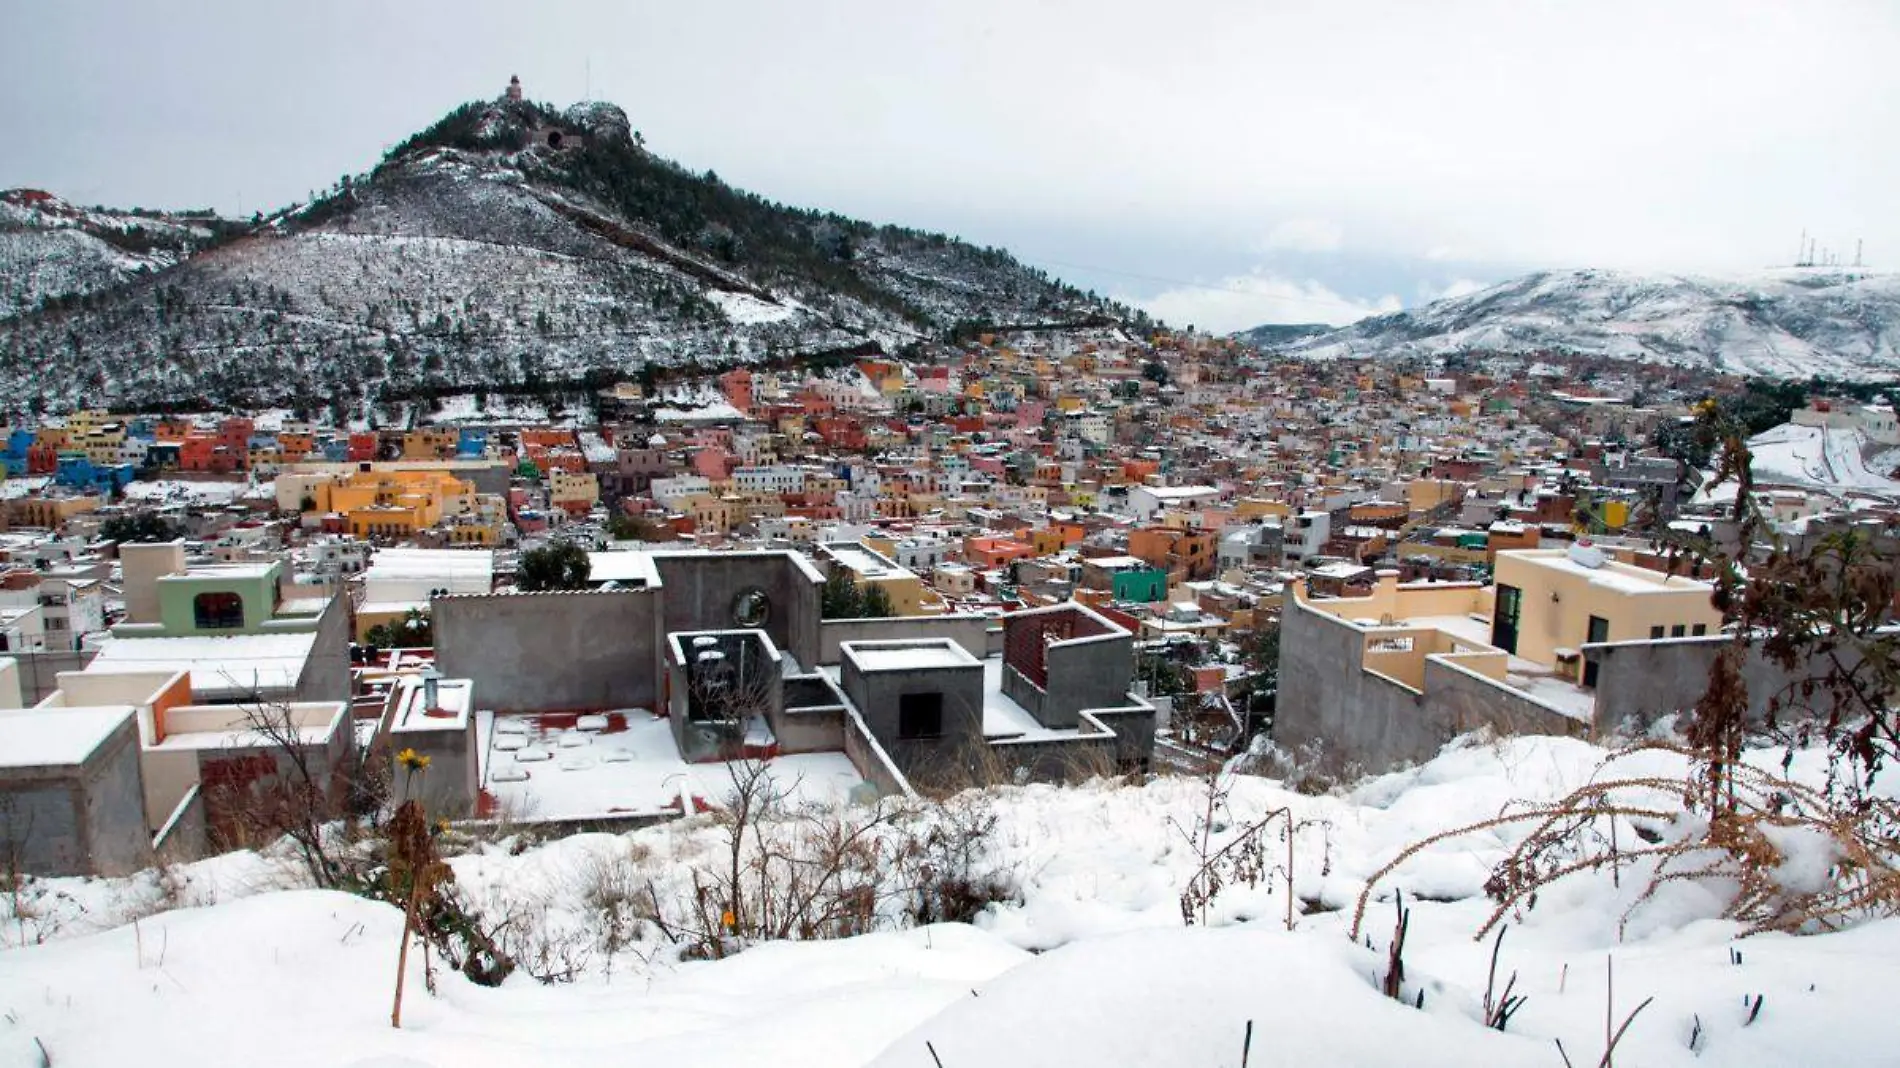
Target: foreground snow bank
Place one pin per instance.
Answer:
(1091, 966)
(305, 978)
(1186, 996)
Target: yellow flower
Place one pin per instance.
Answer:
(412, 760)
(729, 919)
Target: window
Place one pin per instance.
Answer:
(751, 607)
(218, 611)
(1699, 629)
(1655, 633)
(920, 715)
(1678, 630)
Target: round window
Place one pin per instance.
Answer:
(751, 607)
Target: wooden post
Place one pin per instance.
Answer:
(402, 956)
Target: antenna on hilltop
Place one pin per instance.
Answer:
(1857, 252)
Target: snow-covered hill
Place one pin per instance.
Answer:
(1790, 323)
(513, 246)
(51, 250)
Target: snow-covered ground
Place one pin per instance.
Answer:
(180, 491)
(622, 764)
(1091, 966)
(1824, 457)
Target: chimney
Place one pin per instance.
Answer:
(431, 689)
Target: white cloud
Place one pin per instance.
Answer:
(1249, 300)
(1305, 235)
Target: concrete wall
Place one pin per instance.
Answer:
(1086, 673)
(120, 839)
(39, 672)
(77, 820)
(543, 652)
(706, 726)
(700, 587)
(1352, 719)
(449, 787)
(876, 695)
(183, 836)
(326, 675)
(41, 832)
(812, 719)
(969, 631)
(1640, 682)
(871, 760)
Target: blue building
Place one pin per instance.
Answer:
(473, 442)
(18, 441)
(79, 472)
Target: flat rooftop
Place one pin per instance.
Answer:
(1624, 578)
(624, 763)
(920, 654)
(866, 564)
(235, 663)
(56, 737)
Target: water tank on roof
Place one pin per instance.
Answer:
(1585, 554)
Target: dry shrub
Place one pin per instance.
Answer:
(1743, 843)
(814, 872)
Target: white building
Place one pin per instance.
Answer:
(70, 605)
(1145, 502)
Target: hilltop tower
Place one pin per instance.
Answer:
(514, 88)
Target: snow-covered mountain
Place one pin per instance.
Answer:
(1796, 322)
(53, 251)
(513, 246)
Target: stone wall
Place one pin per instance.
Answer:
(545, 652)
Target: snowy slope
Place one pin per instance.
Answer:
(1823, 457)
(473, 258)
(1791, 323)
(1092, 967)
(50, 249)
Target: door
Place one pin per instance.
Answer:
(1504, 617)
(1599, 632)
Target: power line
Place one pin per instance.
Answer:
(1336, 301)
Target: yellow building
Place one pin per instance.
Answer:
(710, 514)
(86, 420)
(1260, 507)
(1553, 601)
(50, 513)
(394, 504)
(430, 443)
(1425, 494)
(906, 590)
(573, 491)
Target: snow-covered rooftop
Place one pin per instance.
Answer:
(56, 737)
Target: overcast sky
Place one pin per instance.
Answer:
(1221, 163)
